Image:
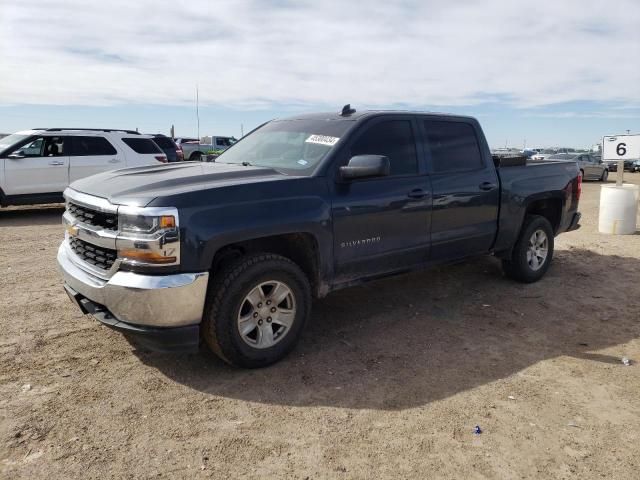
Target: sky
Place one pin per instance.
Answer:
(543, 73)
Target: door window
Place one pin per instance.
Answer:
(42, 147)
(91, 146)
(393, 139)
(453, 146)
(54, 147)
(33, 148)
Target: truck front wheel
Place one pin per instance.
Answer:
(256, 310)
(532, 252)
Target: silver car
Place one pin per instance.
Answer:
(592, 168)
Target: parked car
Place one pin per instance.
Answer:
(233, 252)
(543, 154)
(612, 166)
(194, 150)
(171, 149)
(635, 167)
(630, 165)
(37, 165)
(590, 167)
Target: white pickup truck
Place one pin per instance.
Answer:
(37, 165)
(195, 150)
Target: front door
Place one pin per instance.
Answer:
(381, 224)
(590, 167)
(466, 191)
(41, 165)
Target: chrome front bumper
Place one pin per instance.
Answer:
(157, 301)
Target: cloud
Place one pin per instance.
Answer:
(254, 54)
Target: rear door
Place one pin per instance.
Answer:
(465, 188)
(382, 224)
(41, 166)
(91, 154)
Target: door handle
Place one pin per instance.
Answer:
(486, 186)
(417, 193)
(56, 163)
(114, 160)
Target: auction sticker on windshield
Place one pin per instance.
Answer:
(322, 140)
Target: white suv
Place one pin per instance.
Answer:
(37, 165)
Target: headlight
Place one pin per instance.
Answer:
(144, 225)
(148, 236)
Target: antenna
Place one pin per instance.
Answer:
(198, 111)
(347, 110)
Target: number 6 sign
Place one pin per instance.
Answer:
(621, 147)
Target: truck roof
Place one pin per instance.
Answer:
(358, 115)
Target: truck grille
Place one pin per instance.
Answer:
(108, 221)
(97, 256)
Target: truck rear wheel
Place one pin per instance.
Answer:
(533, 251)
(256, 310)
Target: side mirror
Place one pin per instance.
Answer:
(366, 166)
(16, 155)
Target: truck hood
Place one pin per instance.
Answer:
(141, 185)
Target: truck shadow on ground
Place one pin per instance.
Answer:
(407, 341)
(37, 215)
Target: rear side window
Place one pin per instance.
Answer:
(393, 139)
(142, 145)
(85, 146)
(453, 146)
(164, 142)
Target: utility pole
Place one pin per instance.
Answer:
(241, 130)
(198, 110)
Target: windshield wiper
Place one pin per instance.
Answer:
(246, 164)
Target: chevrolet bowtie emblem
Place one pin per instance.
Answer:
(72, 230)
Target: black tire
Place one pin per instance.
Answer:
(605, 175)
(582, 174)
(225, 300)
(518, 267)
(195, 157)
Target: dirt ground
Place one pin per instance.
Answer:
(389, 380)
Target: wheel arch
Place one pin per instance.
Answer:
(550, 208)
(302, 248)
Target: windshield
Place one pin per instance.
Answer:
(11, 140)
(290, 146)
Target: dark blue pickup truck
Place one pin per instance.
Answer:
(232, 252)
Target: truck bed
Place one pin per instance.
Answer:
(533, 181)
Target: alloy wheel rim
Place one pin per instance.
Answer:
(266, 314)
(538, 250)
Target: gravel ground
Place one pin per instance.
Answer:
(389, 380)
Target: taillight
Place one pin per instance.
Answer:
(579, 190)
(161, 158)
(179, 154)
